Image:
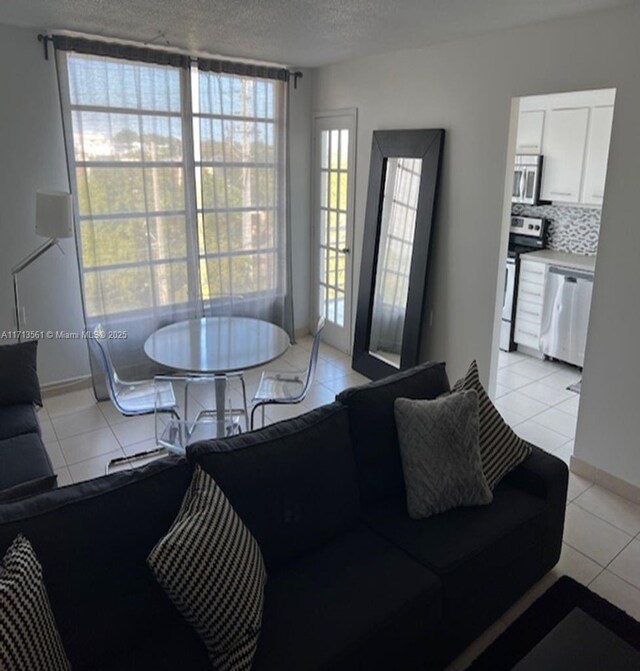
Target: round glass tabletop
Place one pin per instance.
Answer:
(216, 344)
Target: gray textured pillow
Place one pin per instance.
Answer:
(440, 453)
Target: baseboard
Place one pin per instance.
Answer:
(302, 332)
(604, 479)
(65, 386)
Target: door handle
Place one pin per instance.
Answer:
(345, 250)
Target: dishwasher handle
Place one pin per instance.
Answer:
(571, 275)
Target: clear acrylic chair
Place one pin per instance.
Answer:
(131, 399)
(286, 388)
(179, 432)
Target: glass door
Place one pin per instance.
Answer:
(334, 161)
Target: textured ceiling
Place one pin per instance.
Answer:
(291, 32)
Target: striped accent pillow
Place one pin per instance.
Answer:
(501, 450)
(29, 639)
(212, 569)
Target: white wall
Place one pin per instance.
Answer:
(466, 87)
(32, 158)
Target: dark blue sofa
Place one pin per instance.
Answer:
(354, 583)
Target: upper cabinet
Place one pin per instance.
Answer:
(530, 127)
(572, 131)
(563, 154)
(595, 171)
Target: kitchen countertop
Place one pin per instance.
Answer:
(565, 259)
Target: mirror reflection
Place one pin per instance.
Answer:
(397, 229)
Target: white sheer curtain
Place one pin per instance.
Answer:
(240, 162)
(179, 179)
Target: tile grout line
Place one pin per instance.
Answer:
(586, 510)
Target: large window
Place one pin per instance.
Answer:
(179, 179)
(235, 131)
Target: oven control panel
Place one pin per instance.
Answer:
(530, 226)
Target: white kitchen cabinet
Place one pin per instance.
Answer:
(529, 304)
(595, 171)
(530, 126)
(563, 147)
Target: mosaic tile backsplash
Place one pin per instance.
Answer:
(571, 229)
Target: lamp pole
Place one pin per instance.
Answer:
(26, 262)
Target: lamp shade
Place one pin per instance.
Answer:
(54, 214)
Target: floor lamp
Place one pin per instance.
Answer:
(54, 219)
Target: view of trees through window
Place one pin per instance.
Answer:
(173, 204)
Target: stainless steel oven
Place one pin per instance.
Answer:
(526, 179)
(527, 234)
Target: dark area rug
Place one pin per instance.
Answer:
(544, 614)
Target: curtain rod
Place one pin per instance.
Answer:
(209, 64)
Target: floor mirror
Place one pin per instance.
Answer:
(403, 184)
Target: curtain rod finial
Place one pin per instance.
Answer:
(45, 39)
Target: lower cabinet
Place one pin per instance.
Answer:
(529, 303)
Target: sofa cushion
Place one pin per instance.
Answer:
(18, 419)
(25, 467)
(93, 540)
(29, 639)
(373, 427)
(356, 603)
(177, 647)
(483, 555)
(19, 373)
(501, 448)
(293, 483)
(212, 569)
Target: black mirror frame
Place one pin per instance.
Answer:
(425, 144)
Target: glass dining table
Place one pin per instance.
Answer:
(217, 346)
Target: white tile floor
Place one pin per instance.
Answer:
(602, 533)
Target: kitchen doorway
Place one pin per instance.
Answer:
(557, 190)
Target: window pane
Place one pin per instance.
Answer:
(128, 189)
(120, 290)
(236, 231)
(164, 189)
(109, 82)
(110, 190)
(170, 283)
(225, 140)
(103, 136)
(335, 141)
(324, 149)
(237, 187)
(343, 191)
(344, 149)
(231, 95)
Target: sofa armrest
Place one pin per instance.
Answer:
(541, 474)
(547, 477)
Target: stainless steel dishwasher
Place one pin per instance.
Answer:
(565, 314)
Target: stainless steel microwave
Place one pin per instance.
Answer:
(526, 179)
